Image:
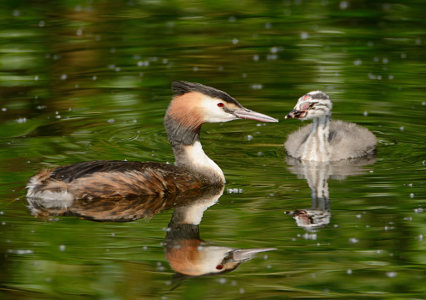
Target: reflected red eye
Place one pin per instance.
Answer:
(219, 267)
(220, 104)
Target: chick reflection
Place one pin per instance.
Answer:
(317, 175)
(188, 254)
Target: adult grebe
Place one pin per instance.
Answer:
(326, 140)
(192, 105)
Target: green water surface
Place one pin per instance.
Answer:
(86, 80)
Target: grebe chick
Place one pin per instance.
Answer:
(326, 140)
(192, 105)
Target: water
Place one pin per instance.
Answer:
(83, 80)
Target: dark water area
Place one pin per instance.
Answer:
(88, 80)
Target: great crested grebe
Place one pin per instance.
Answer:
(192, 105)
(326, 140)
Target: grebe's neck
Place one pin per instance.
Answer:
(316, 147)
(185, 141)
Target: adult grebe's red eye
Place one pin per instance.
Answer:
(219, 267)
(220, 104)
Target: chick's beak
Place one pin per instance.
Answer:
(296, 114)
(244, 113)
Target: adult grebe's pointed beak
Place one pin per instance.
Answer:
(241, 255)
(244, 113)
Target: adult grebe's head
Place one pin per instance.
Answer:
(315, 104)
(194, 104)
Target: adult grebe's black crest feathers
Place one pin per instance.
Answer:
(183, 87)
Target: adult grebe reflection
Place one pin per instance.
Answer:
(317, 174)
(186, 252)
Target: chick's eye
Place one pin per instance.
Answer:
(220, 104)
(306, 106)
(219, 267)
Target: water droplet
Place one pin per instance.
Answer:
(256, 57)
(231, 19)
(16, 13)
(3, 109)
(274, 50)
(256, 86)
(249, 137)
(358, 62)
(411, 195)
(401, 128)
(353, 240)
(62, 247)
(349, 271)
(304, 35)
(64, 77)
(385, 60)
(41, 23)
(391, 274)
(234, 41)
(79, 32)
(310, 236)
(20, 251)
(195, 69)
(343, 5)
(242, 291)
(222, 280)
(418, 210)
(21, 120)
(268, 25)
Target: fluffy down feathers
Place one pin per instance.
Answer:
(346, 140)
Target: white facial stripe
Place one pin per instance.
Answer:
(213, 113)
(211, 256)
